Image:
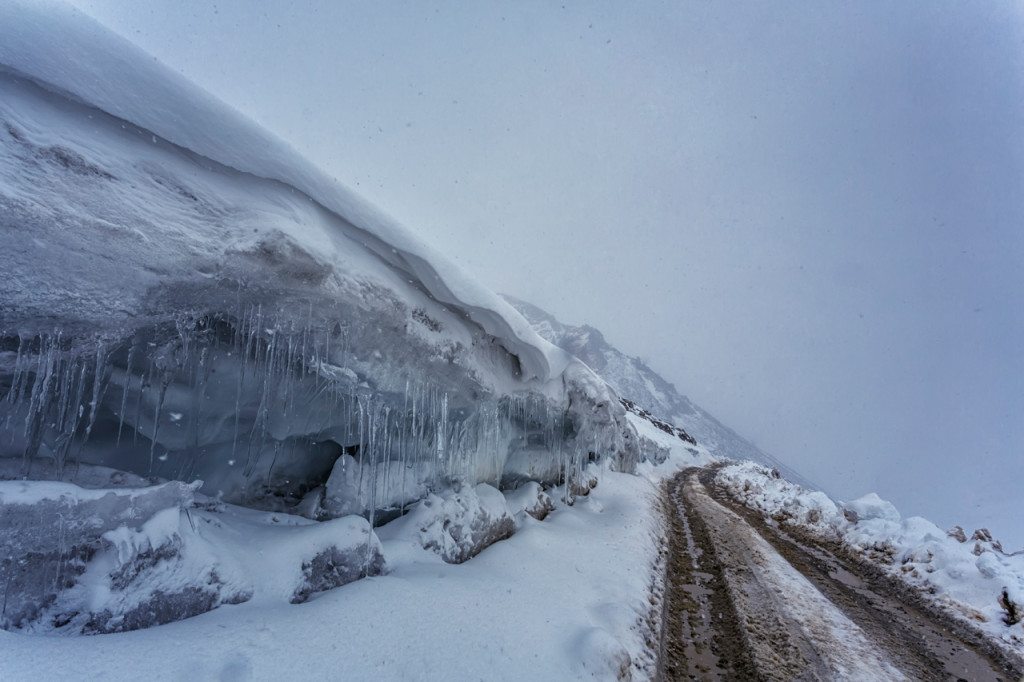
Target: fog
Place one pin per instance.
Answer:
(809, 216)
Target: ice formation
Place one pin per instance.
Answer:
(186, 299)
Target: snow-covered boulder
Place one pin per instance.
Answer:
(871, 506)
(457, 524)
(53, 530)
(80, 561)
(157, 574)
(529, 499)
(331, 554)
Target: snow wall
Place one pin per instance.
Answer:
(185, 298)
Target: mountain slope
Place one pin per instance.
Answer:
(632, 379)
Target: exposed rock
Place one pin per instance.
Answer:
(1013, 609)
(459, 523)
(336, 566)
(53, 530)
(957, 533)
(530, 499)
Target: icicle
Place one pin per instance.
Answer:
(99, 370)
(124, 392)
(164, 383)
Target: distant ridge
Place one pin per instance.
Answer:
(634, 381)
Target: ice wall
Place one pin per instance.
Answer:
(263, 412)
(185, 299)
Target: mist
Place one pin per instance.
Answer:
(808, 217)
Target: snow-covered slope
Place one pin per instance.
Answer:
(632, 379)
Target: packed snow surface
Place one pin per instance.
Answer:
(509, 613)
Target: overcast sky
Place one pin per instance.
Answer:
(809, 216)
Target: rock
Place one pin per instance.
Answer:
(982, 534)
(337, 566)
(531, 499)
(957, 533)
(53, 530)
(458, 523)
(1014, 611)
(157, 574)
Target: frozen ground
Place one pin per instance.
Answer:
(563, 598)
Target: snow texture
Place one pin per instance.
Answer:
(69, 53)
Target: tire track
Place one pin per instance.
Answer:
(745, 601)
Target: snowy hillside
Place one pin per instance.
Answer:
(632, 379)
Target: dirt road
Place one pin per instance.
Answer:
(745, 600)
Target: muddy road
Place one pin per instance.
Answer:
(745, 600)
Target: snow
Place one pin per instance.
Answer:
(632, 379)
(965, 578)
(131, 259)
(69, 53)
(871, 507)
(565, 598)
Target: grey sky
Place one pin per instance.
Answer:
(810, 216)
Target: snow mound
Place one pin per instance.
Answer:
(530, 499)
(871, 506)
(78, 561)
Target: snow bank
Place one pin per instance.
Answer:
(184, 301)
(68, 52)
(972, 578)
